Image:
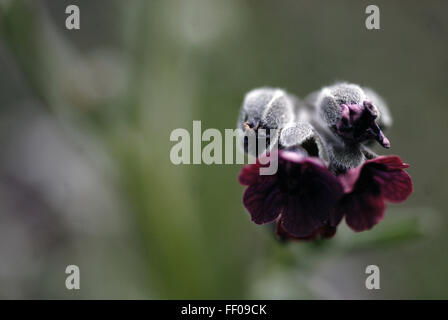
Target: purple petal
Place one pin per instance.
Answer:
(348, 180)
(388, 173)
(367, 188)
(299, 219)
(315, 201)
(397, 187)
(325, 232)
(263, 201)
(336, 215)
(290, 156)
(390, 162)
(249, 174)
(362, 211)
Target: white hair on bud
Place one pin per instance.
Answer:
(272, 108)
(328, 108)
(266, 111)
(302, 134)
(256, 100)
(310, 100)
(348, 93)
(342, 159)
(329, 100)
(279, 111)
(295, 134)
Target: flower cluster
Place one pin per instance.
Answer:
(326, 170)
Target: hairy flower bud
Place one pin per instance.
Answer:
(346, 117)
(295, 134)
(302, 136)
(265, 108)
(330, 99)
(345, 109)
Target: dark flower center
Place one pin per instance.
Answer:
(251, 128)
(357, 124)
(289, 177)
(366, 181)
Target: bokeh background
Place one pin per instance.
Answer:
(85, 120)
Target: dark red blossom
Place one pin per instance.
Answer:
(357, 124)
(367, 187)
(301, 196)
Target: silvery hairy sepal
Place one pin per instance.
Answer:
(264, 112)
(346, 119)
(329, 101)
(295, 134)
(302, 136)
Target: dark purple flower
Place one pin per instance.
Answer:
(366, 189)
(357, 124)
(301, 196)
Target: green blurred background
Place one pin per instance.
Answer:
(85, 120)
